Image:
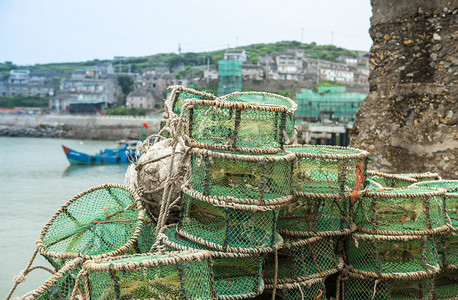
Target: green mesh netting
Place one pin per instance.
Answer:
(179, 94)
(60, 285)
(184, 275)
(101, 221)
(405, 255)
(451, 196)
(390, 180)
(228, 226)
(447, 246)
(236, 123)
(305, 290)
(302, 259)
(372, 185)
(393, 211)
(236, 275)
(328, 170)
(247, 177)
(446, 285)
(306, 216)
(356, 288)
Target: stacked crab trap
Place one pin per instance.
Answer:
(259, 217)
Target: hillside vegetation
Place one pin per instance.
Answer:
(138, 64)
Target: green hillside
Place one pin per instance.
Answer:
(325, 52)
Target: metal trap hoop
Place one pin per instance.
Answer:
(236, 275)
(102, 221)
(259, 179)
(401, 211)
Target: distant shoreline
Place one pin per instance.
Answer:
(76, 127)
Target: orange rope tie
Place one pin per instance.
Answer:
(263, 269)
(319, 295)
(81, 294)
(103, 208)
(313, 257)
(359, 179)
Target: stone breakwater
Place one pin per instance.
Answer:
(75, 127)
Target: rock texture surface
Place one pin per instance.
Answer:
(408, 122)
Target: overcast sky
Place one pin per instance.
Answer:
(43, 31)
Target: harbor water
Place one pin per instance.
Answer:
(36, 179)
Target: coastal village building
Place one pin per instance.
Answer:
(26, 83)
(140, 99)
(239, 55)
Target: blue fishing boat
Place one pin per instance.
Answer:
(106, 156)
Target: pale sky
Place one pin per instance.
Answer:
(44, 31)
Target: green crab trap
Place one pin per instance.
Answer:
(328, 171)
(400, 211)
(313, 289)
(446, 285)
(313, 216)
(390, 180)
(227, 226)
(358, 287)
(249, 178)
(372, 185)
(392, 257)
(236, 275)
(173, 275)
(451, 196)
(302, 259)
(102, 221)
(249, 122)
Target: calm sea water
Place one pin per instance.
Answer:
(35, 180)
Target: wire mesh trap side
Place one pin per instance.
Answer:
(174, 275)
(102, 221)
(401, 211)
(315, 216)
(328, 171)
(243, 178)
(302, 259)
(178, 94)
(392, 257)
(227, 226)
(235, 275)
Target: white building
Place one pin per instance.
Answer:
(235, 54)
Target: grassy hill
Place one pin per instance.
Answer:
(325, 52)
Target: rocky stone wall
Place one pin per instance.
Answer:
(408, 122)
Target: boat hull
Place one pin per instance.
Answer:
(108, 156)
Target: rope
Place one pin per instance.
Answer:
(375, 288)
(359, 179)
(21, 276)
(319, 295)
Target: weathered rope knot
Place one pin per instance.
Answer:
(20, 277)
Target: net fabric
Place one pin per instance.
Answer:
(412, 210)
(235, 123)
(184, 275)
(451, 196)
(363, 288)
(102, 221)
(302, 259)
(250, 178)
(178, 94)
(446, 285)
(312, 216)
(236, 275)
(392, 256)
(447, 246)
(227, 226)
(390, 180)
(328, 171)
(310, 290)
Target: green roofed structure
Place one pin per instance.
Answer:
(230, 76)
(332, 101)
